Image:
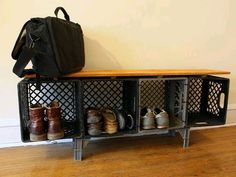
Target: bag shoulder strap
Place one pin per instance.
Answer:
(22, 53)
(19, 42)
(22, 61)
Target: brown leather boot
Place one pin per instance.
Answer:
(36, 125)
(55, 130)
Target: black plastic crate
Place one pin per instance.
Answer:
(64, 91)
(169, 94)
(207, 100)
(114, 94)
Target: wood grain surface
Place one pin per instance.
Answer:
(150, 72)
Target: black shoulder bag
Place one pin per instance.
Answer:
(55, 47)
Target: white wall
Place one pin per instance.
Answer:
(129, 34)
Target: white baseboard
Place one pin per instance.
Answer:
(18, 142)
(211, 127)
(10, 135)
(9, 122)
(231, 106)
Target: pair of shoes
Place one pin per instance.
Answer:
(99, 119)
(148, 119)
(125, 120)
(37, 124)
(110, 121)
(154, 118)
(94, 122)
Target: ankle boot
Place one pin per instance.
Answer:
(55, 130)
(37, 126)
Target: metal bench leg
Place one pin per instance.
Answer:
(186, 137)
(78, 148)
(185, 133)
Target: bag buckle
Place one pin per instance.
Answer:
(33, 39)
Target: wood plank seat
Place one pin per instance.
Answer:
(143, 72)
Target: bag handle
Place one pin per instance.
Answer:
(67, 17)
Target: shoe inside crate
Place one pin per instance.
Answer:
(167, 94)
(115, 95)
(64, 91)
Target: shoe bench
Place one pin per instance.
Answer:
(193, 97)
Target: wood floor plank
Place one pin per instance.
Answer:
(212, 152)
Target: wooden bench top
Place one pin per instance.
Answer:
(143, 72)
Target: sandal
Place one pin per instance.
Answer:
(110, 121)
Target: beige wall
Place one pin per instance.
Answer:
(131, 34)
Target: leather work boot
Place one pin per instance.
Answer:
(36, 124)
(55, 130)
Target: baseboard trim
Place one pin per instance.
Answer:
(17, 144)
(12, 139)
(231, 107)
(211, 127)
(9, 122)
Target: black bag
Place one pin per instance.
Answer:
(55, 47)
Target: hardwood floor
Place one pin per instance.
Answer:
(212, 152)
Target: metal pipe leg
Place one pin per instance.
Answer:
(185, 133)
(186, 137)
(78, 148)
